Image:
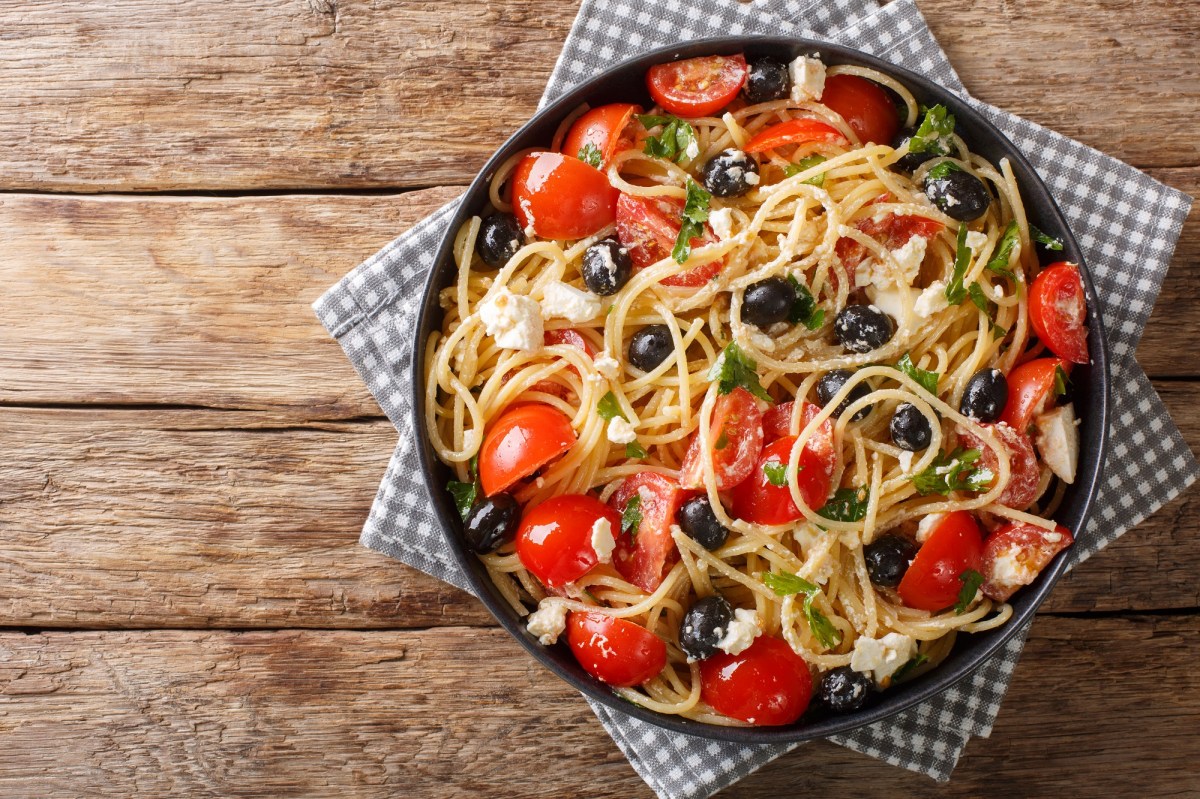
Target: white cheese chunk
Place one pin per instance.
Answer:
(1008, 571)
(741, 633)
(910, 256)
(893, 300)
(1058, 441)
(513, 320)
(607, 365)
(906, 459)
(621, 431)
(808, 79)
(603, 541)
(976, 240)
(932, 300)
(548, 621)
(927, 524)
(881, 657)
(721, 222)
(560, 301)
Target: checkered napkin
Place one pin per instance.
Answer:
(1126, 222)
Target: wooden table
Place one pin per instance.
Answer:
(187, 458)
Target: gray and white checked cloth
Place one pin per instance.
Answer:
(1126, 222)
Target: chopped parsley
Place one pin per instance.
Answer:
(785, 584)
(805, 164)
(956, 292)
(776, 474)
(631, 517)
(935, 128)
(975, 292)
(1060, 381)
(971, 581)
(941, 170)
(1045, 240)
(909, 667)
(634, 450)
(609, 408)
(998, 263)
(465, 494)
(846, 506)
(735, 369)
(954, 472)
(804, 310)
(673, 143)
(695, 214)
(926, 379)
(998, 332)
(590, 154)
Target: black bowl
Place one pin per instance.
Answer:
(1090, 386)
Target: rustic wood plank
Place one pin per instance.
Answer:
(464, 712)
(155, 518)
(137, 95)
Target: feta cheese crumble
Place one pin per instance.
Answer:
(976, 240)
(513, 320)
(603, 541)
(721, 222)
(607, 365)
(560, 300)
(548, 621)
(881, 657)
(808, 79)
(1057, 441)
(931, 300)
(741, 633)
(620, 431)
(926, 526)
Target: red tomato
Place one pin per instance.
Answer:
(865, 106)
(616, 651)
(757, 500)
(648, 228)
(1023, 471)
(891, 231)
(644, 556)
(736, 436)
(795, 131)
(697, 87)
(554, 540)
(524, 439)
(954, 545)
(562, 336)
(561, 197)
(1028, 387)
(776, 425)
(767, 684)
(1057, 310)
(605, 128)
(1015, 554)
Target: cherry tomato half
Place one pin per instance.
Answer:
(767, 684)
(648, 228)
(891, 231)
(1015, 555)
(606, 128)
(697, 87)
(643, 556)
(569, 336)
(1024, 474)
(736, 436)
(756, 499)
(954, 545)
(524, 439)
(1029, 385)
(561, 197)
(865, 106)
(777, 424)
(1058, 309)
(616, 651)
(795, 131)
(554, 540)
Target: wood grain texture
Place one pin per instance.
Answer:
(463, 712)
(141, 95)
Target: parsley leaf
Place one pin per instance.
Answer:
(998, 332)
(1060, 381)
(909, 667)
(776, 474)
(609, 408)
(785, 584)
(733, 369)
(635, 450)
(590, 154)
(971, 581)
(465, 494)
(940, 171)
(631, 517)
(1045, 240)
(954, 472)
(695, 214)
(805, 164)
(804, 310)
(845, 506)
(926, 379)
(998, 263)
(676, 138)
(931, 136)
(955, 291)
(975, 292)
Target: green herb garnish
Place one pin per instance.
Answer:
(954, 472)
(998, 332)
(805, 164)
(909, 667)
(465, 494)
(785, 584)
(631, 517)
(955, 291)
(999, 262)
(634, 450)
(1060, 381)
(846, 506)
(676, 138)
(931, 136)
(776, 474)
(804, 309)
(971, 581)
(695, 214)
(609, 408)
(735, 369)
(939, 171)
(975, 292)
(926, 379)
(590, 154)
(1045, 240)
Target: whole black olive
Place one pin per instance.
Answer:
(985, 396)
(843, 689)
(958, 194)
(490, 522)
(909, 428)
(862, 328)
(768, 301)
(831, 383)
(696, 518)
(606, 267)
(909, 161)
(766, 80)
(730, 173)
(887, 559)
(499, 239)
(704, 625)
(650, 346)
